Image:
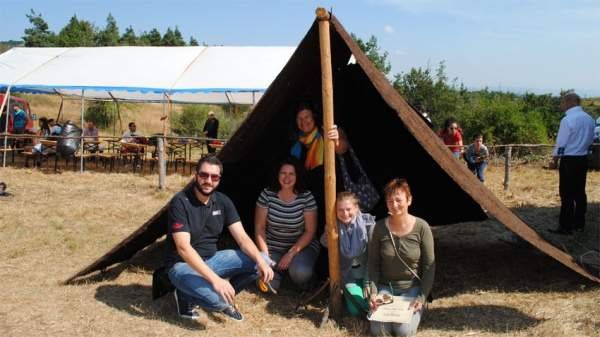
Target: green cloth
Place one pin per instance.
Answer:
(356, 304)
(415, 248)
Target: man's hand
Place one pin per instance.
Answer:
(265, 272)
(224, 288)
(285, 261)
(553, 165)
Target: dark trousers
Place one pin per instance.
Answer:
(571, 186)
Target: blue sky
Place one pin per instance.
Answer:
(539, 46)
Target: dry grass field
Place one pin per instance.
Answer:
(487, 283)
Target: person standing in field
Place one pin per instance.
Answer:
(476, 157)
(575, 136)
(211, 130)
(452, 136)
(19, 120)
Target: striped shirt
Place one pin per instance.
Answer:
(285, 220)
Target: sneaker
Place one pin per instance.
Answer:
(184, 308)
(265, 287)
(233, 313)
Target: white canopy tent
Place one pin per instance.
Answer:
(213, 75)
(218, 75)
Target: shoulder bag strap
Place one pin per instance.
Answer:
(356, 161)
(398, 254)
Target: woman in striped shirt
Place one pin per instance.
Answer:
(285, 225)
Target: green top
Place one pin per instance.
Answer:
(415, 248)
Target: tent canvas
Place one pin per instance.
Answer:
(390, 138)
(220, 74)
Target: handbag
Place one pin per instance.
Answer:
(363, 188)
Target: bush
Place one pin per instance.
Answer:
(101, 113)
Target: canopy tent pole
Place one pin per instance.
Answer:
(115, 113)
(335, 299)
(5, 101)
(162, 144)
(81, 139)
(60, 108)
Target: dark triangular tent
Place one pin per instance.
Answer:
(391, 139)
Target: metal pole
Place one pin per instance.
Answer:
(162, 153)
(162, 169)
(335, 299)
(81, 139)
(507, 167)
(5, 101)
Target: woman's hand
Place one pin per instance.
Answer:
(333, 134)
(373, 303)
(416, 306)
(285, 261)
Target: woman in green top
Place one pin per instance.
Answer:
(401, 259)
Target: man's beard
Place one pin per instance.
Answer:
(198, 188)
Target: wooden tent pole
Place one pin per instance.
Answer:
(335, 298)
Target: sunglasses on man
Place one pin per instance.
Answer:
(206, 175)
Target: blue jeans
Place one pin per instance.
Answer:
(398, 329)
(478, 169)
(231, 264)
(301, 269)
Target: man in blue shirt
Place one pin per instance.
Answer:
(575, 135)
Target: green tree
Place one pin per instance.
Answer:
(128, 38)
(77, 33)
(193, 41)
(101, 113)
(190, 121)
(38, 35)
(151, 38)
(109, 36)
(372, 50)
(173, 38)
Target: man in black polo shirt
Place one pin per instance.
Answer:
(202, 275)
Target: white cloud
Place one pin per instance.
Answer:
(388, 29)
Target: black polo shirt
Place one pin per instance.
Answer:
(204, 222)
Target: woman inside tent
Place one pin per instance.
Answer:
(401, 259)
(285, 224)
(309, 146)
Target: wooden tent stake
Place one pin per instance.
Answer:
(335, 298)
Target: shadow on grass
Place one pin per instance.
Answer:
(136, 300)
(144, 261)
(487, 256)
(287, 303)
(489, 318)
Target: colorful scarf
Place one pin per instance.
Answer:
(313, 141)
